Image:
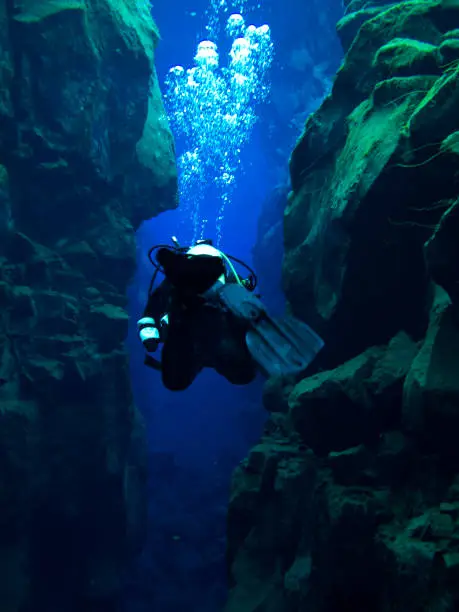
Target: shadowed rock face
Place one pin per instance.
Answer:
(351, 499)
(85, 155)
(368, 186)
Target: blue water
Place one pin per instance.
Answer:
(198, 436)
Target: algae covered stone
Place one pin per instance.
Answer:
(406, 57)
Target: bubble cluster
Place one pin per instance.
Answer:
(221, 7)
(235, 26)
(212, 110)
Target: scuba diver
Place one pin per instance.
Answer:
(206, 315)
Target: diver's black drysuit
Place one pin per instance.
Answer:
(200, 332)
(215, 321)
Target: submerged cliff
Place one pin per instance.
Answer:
(85, 155)
(351, 499)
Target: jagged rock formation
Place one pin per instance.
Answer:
(351, 500)
(85, 155)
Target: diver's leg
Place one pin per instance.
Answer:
(239, 371)
(180, 365)
(233, 360)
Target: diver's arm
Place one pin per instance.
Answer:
(155, 317)
(158, 301)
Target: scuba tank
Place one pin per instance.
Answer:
(195, 269)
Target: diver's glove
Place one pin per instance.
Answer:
(148, 334)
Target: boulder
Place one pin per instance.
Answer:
(356, 402)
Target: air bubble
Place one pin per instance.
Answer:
(212, 109)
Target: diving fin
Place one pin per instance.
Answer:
(282, 347)
(279, 346)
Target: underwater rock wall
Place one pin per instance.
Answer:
(351, 499)
(85, 155)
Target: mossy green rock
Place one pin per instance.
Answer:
(449, 51)
(406, 57)
(343, 168)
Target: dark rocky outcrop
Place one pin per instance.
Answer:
(85, 155)
(361, 398)
(350, 500)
